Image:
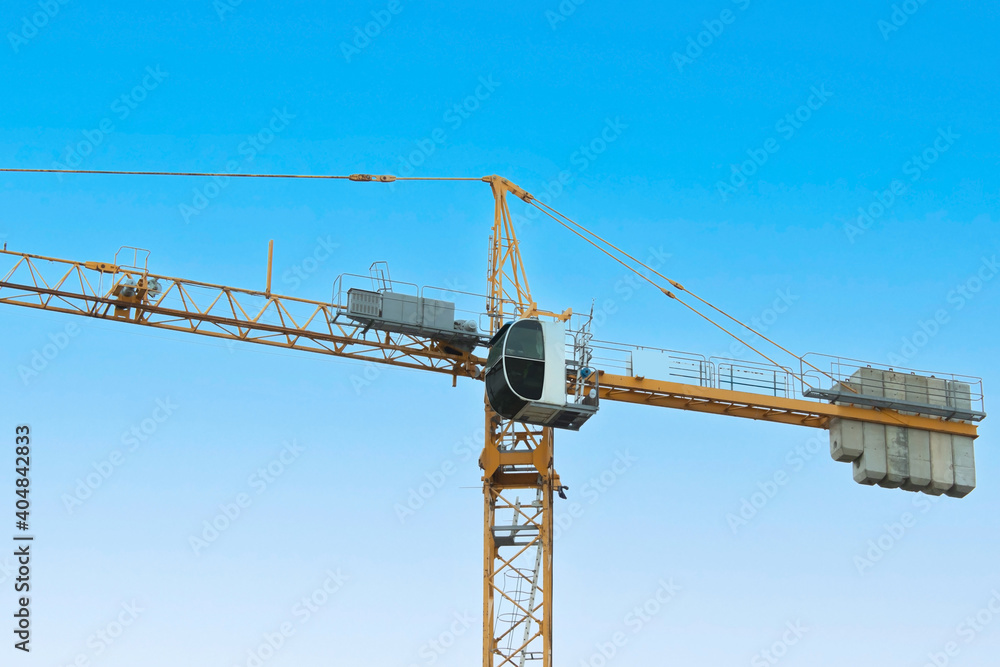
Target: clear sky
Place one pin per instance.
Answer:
(838, 160)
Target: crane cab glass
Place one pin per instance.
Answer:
(515, 369)
(526, 375)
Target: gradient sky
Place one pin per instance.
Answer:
(837, 158)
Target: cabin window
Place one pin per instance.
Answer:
(496, 346)
(502, 399)
(526, 377)
(519, 379)
(525, 340)
(494, 355)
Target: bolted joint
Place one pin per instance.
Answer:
(516, 190)
(103, 267)
(381, 178)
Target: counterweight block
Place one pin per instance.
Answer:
(903, 457)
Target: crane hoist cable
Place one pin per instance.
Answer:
(542, 206)
(329, 177)
(667, 292)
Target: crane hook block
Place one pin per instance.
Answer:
(381, 178)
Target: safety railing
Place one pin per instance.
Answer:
(842, 374)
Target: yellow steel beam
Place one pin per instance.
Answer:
(797, 411)
(516, 457)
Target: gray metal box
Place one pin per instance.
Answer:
(364, 304)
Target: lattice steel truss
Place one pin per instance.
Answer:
(516, 459)
(127, 293)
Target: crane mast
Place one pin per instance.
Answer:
(519, 478)
(517, 458)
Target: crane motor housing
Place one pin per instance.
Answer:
(412, 315)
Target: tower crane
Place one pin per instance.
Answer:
(898, 428)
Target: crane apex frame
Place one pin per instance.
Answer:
(898, 428)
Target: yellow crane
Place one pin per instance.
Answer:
(896, 428)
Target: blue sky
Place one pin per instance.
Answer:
(840, 159)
